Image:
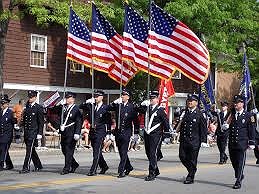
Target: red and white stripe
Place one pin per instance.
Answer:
(137, 52)
(79, 50)
(183, 50)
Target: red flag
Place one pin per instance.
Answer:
(166, 90)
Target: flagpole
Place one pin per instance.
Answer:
(65, 75)
(119, 114)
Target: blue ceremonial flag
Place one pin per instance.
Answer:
(245, 88)
(206, 96)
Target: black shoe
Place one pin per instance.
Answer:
(121, 175)
(127, 171)
(225, 160)
(9, 167)
(188, 180)
(91, 173)
(38, 169)
(157, 172)
(159, 158)
(24, 171)
(63, 172)
(237, 185)
(103, 170)
(221, 162)
(257, 161)
(150, 178)
(73, 169)
(1, 168)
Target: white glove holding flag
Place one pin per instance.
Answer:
(39, 136)
(251, 147)
(204, 145)
(225, 126)
(76, 137)
(90, 100)
(118, 101)
(145, 103)
(255, 111)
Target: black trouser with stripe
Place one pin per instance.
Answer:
(222, 144)
(31, 154)
(188, 156)
(3, 148)
(238, 158)
(68, 149)
(122, 141)
(152, 143)
(98, 159)
(8, 161)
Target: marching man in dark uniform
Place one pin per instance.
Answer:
(70, 131)
(158, 122)
(7, 122)
(124, 126)
(193, 132)
(241, 137)
(102, 121)
(256, 150)
(222, 132)
(33, 122)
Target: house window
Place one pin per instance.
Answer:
(177, 75)
(76, 67)
(38, 51)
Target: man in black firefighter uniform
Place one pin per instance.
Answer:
(157, 123)
(101, 123)
(222, 132)
(256, 150)
(241, 137)
(126, 116)
(70, 131)
(33, 122)
(7, 122)
(193, 132)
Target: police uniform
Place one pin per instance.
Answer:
(193, 131)
(222, 134)
(7, 122)
(241, 135)
(158, 122)
(123, 132)
(33, 122)
(71, 127)
(102, 121)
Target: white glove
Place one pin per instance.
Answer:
(251, 147)
(39, 136)
(204, 145)
(90, 100)
(225, 126)
(136, 137)
(117, 101)
(254, 111)
(167, 140)
(76, 137)
(217, 110)
(145, 103)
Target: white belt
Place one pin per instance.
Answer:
(148, 131)
(62, 127)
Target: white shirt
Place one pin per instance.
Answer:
(153, 106)
(98, 106)
(239, 112)
(4, 110)
(191, 110)
(32, 104)
(225, 113)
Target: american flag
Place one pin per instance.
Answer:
(174, 43)
(78, 43)
(135, 45)
(107, 49)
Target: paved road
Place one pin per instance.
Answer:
(210, 178)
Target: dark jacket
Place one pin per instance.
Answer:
(193, 129)
(220, 116)
(242, 131)
(128, 117)
(159, 117)
(7, 122)
(102, 119)
(75, 117)
(33, 121)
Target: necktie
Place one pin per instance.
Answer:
(238, 114)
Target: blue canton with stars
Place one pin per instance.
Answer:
(162, 23)
(101, 25)
(135, 25)
(77, 27)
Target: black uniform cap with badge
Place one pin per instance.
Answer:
(32, 93)
(70, 94)
(98, 93)
(5, 99)
(126, 92)
(153, 94)
(192, 97)
(238, 98)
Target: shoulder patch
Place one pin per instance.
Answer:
(252, 119)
